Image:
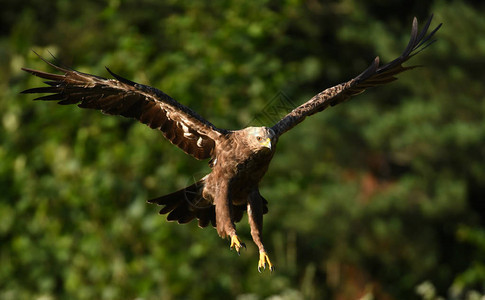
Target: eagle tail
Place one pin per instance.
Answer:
(186, 204)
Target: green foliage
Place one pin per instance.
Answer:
(388, 200)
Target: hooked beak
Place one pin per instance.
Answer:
(267, 143)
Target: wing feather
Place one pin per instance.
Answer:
(120, 96)
(374, 75)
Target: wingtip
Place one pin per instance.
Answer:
(414, 30)
(112, 73)
(415, 22)
(120, 78)
(31, 71)
(370, 69)
(61, 69)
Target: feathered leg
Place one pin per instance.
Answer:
(224, 222)
(255, 217)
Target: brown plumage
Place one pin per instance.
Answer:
(239, 159)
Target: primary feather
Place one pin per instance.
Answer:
(374, 75)
(179, 124)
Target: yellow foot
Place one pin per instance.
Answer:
(237, 244)
(263, 259)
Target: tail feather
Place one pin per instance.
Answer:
(180, 214)
(205, 217)
(186, 204)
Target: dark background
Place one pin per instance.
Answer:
(383, 196)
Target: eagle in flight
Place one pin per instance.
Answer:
(238, 158)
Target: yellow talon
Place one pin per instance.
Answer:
(236, 243)
(263, 259)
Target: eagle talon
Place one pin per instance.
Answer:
(263, 260)
(237, 244)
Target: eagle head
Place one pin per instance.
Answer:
(261, 138)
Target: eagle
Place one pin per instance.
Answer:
(238, 158)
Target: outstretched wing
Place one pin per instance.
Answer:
(374, 75)
(179, 124)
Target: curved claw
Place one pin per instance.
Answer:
(237, 244)
(263, 260)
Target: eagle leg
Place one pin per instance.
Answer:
(263, 259)
(237, 244)
(255, 218)
(224, 217)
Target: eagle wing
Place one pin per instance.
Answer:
(374, 75)
(179, 124)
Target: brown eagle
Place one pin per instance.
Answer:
(238, 158)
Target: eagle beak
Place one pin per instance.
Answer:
(267, 143)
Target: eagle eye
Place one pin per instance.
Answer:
(259, 138)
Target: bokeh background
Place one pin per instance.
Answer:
(382, 197)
